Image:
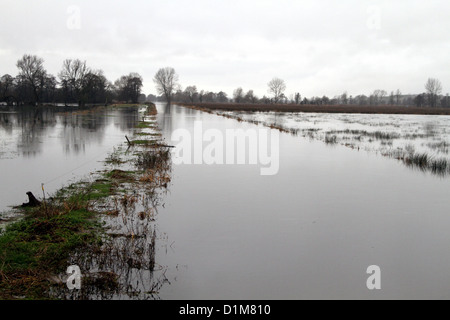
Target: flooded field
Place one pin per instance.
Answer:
(419, 141)
(54, 146)
(225, 231)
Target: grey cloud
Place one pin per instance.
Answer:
(318, 47)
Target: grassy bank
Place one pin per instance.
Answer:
(37, 247)
(70, 228)
(382, 109)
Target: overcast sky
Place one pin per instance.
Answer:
(319, 47)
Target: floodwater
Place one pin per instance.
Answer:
(403, 137)
(53, 147)
(225, 231)
(310, 231)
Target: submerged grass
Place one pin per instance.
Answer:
(424, 161)
(330, 139)
(152, 159)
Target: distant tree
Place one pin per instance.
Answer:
(433, 88)
(201, 94)
(191, 93)
(209, 97)
(238, 95)
(420, 100)
(129, 87)
(49, 88)
(276, 87)
(120, 88)
(315, 100)
(73, 77)
(392, 98)
(398, 95)
(166, 80)
(31, 73)
(445, 102)
(95, 87)
(134, 84)
(250, 97)
(222, 97)
(6, 88)
(151, 97)
(361, 100)
(297, 98)
(377, 97)
(179, 96)
(344, 98)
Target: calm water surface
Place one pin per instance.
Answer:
(227, 232)
(53, 146)
(309, 231)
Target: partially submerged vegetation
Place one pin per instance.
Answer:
(351, 138)
(105, 226)
(426, 162)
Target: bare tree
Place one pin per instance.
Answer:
(191, 93)
(297, 97)
(238, 95)
(392, 98)
(434, 89)
(377, 97)
(31, 73)
(276, 87)
(166, 80)
(73, 77)
(344, 98)
(398, 95)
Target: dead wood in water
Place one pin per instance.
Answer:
(32, 201)
(128, 140)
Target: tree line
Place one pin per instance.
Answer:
(79, 84)
(76, 83)
(170, 90)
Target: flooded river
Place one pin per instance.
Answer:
(309, 231)
(226, 231)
